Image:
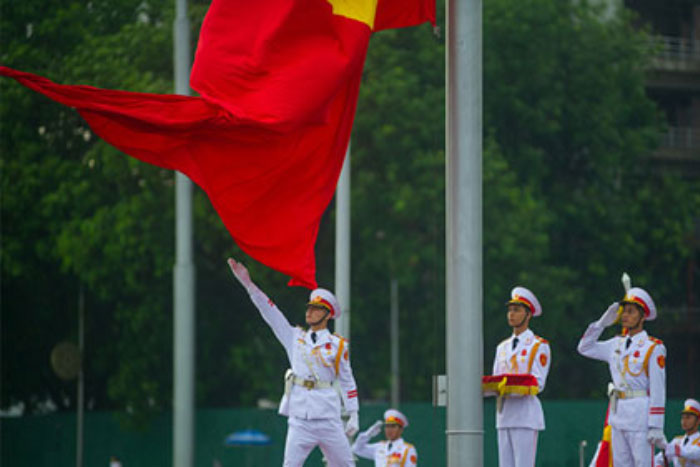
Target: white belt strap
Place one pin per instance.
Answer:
(631, 394)
(310, 383)
(617, 394)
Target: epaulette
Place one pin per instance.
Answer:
(655, 340)
(340, 337)
(678, 437)
(408, 445)
(503, 340)
(542, 339)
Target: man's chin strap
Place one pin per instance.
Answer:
(320, 320)
(527, 314)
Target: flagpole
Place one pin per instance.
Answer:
(394, 338)
(464, 296)
(183, 277)
(342, 248)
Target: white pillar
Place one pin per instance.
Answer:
(464, 296)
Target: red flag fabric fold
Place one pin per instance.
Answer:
(278, 83)
(603, 453)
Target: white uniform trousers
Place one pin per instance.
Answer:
(631, 449)
(326, 433)
(517, 447)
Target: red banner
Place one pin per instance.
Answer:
(278, 82)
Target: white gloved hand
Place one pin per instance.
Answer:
(375, 429)
(353, 424)
(656, 437)
(241, 273)
(610, 316)
(671, 451)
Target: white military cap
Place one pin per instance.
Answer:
(522, 296)
(641, 298)
(323, 298)
(691, 406)
(394, 416)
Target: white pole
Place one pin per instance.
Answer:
(342, 248)
(394, 317)
(183, 277)
(81, 383)
(464, 296)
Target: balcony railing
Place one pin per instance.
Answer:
(678, 49)
(682, 138)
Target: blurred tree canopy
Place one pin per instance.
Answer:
(570, 201)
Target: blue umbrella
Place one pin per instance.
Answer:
(247, 438)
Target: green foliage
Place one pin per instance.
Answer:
(570, 201)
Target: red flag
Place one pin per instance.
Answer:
(278, 82)
(603, 454)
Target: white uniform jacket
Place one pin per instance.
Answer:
(638, 373)
(400, 454)
(532, 356)
(325, 361)
(689, 452)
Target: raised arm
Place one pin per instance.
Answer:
(589, 346)
(268, 310)
(362, 447)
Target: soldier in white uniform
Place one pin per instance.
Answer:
(519, 418)
(317, 358)
(394, 451)
(684, 450)
(637, 364)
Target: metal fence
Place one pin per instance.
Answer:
(48, 441)
(681, 138)
(678, 48)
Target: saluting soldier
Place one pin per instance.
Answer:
(637, 365)
(684, 450)
(393, 451)
(519, 417)
(317, 358)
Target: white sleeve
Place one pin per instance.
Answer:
(362, 447)
(412, 457)
(659, 460)
(494, 371)
(540, 367)
(348, 388)
(284, 332)
(657, 387)
(590, 347)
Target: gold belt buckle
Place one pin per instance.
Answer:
(309, 383)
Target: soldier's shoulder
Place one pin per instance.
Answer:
(656, 341)
(541, 339)
(503, 342)
(337, 337)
